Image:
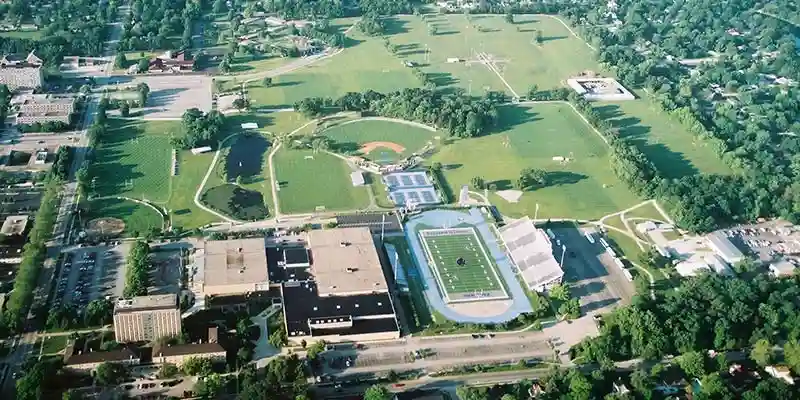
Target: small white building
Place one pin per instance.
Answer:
(357, 178)
(781, 269)
(692, 268)
(780, 372)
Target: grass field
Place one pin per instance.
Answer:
(364, 64)
(138, 218)
(351, 136)
(133, 160)
(33, 35)
(308, 180)
(583, 188)
(191, 169)
(461, 264)
(54, 344)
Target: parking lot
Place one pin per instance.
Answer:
(769, 241)
(591, 272)
(89, 273)
(170, 94)
(166, 263)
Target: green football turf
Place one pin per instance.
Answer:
(476, 274)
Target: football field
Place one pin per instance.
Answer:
(463, 269)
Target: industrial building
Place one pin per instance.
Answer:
(724, 248)
(348, 298)
(532, 252)
(146, 318)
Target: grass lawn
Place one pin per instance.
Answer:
(138, 218)
(133, 57)
(134, 160)
(351, 136)
(365, 64)
(191, 169)
(308, 180)
(648, 211)
(583, 188)
(54, 344)
(522, 62)
(664, 141)
(33, 35)
(378, 190)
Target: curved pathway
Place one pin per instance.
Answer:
(161, 213)
(386, 119)
(200, 188)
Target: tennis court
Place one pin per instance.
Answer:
(462, 267)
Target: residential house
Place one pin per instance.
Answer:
(172, 62)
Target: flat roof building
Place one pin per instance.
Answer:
(146, 318)
(296, 257)
(41, 108)
(724, 248)
(782, 268)
(377, 222)
(312, 316)
(346, 262)
(532, 253)
(348, 298)
(14, 225)
(230, 267)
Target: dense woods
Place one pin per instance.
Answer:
(461, 116)
(153, 24)
(77, 27)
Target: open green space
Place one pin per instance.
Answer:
(237, 202)
(134, 159)
(34, 35)
(460, 263)
(583, 187)
(54, 344)
(308, 180)
(663, 139)
(191, 169)
(138, 218)
(364, 64)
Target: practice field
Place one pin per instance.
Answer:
(310, 181)
(583, 187)
(133, 160)
(380, 140)
(461, 265)
(191, 170)
(139, 219)
(364, 64)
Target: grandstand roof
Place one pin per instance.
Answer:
(532, 252)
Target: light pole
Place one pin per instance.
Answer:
(536, 214)
(563, 251)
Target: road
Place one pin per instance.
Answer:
(23, 344)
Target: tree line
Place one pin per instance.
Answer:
(459, 115)
(33, 256)
(137, 276)
(153, 22)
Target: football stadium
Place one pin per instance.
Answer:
(461, 265)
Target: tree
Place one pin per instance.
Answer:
(120, 61)
(208, 387)
(277, 338)
(377, 392)
(533, 90)
(143, 65)
(124, 109)
(244, 355)
(241, 103)
(559, 292)
(225, 66)
(791, 354)
(692, 363)
(570, 309)
(167, 371)
(199, 366)
(144, 93)
(478, 183)
(529, 177)
(510, 17)
(109, 374)
(267, 81)
(762, 353)
(537, 36)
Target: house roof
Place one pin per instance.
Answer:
(93, 357)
